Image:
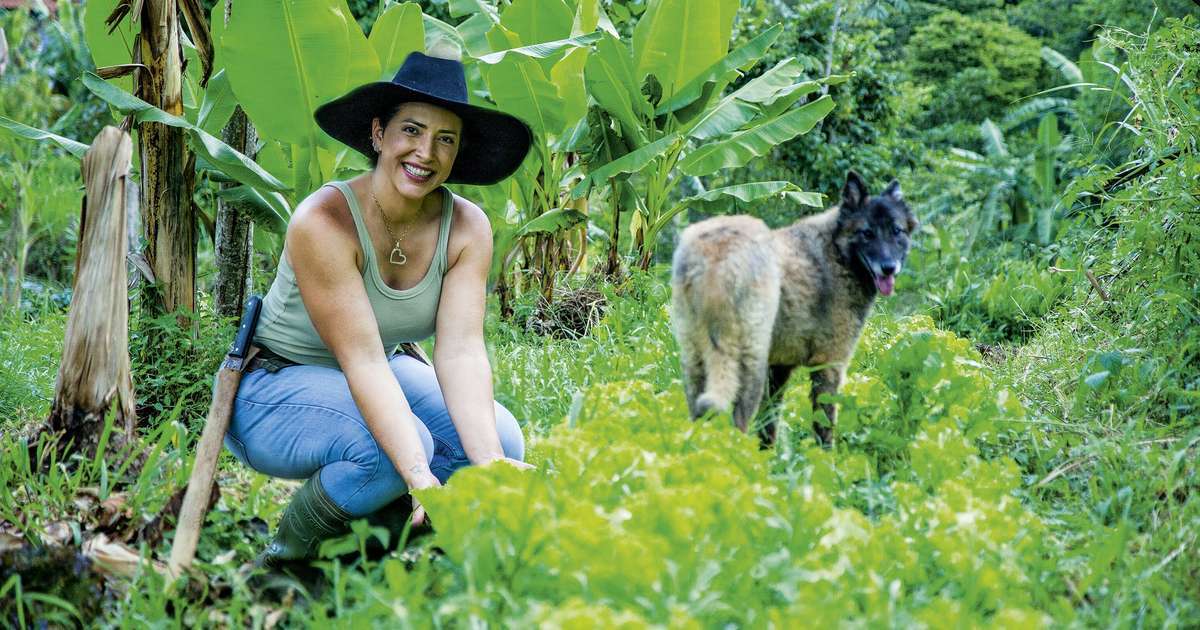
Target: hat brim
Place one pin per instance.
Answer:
(493, 144)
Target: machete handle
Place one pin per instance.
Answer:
(245, 333)
(208, 449)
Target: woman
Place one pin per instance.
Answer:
(390, 256)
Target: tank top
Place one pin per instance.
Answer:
(403, 315)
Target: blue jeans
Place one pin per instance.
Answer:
(302, 419)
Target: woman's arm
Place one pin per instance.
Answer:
(459, 355)
(322, 252)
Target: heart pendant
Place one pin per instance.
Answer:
(397, 257)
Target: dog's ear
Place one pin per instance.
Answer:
(893, 191)
(854, 193)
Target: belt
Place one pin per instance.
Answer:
(272, 362)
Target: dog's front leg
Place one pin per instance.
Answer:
(826, 380)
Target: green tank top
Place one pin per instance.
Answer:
(409, 315)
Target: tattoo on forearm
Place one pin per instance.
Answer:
(418, 469)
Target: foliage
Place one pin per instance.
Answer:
(979, 67)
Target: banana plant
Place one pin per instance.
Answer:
(528, 60)
(667, 117)
(1026, 184)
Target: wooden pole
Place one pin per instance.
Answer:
(94, 373)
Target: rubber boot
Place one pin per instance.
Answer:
(310, 518)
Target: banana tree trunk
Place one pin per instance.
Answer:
(234, 231)
(612, 268)
(167, 166)
(94, 376)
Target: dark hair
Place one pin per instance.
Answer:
(390, 114)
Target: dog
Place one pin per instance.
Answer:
(751, 304)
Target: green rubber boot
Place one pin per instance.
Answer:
(310, 518)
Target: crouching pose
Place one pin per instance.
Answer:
(750, 304)
(388, 257)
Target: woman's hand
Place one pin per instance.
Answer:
(520, 465)
(418, 513)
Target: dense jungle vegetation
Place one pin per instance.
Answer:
(1018, 438)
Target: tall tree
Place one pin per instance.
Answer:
(167, 166)
(234, 229)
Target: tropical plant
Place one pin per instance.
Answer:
(1026, 184)
(665, 117)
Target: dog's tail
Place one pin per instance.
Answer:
(720, 385)
(716, 308)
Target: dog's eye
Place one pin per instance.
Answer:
(897, 230)
(867, 233)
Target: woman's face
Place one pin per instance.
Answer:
(417, 147)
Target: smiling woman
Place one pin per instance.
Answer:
(329, 399)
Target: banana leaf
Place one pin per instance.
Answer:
(269, 211)
(609, 76)
(218, 104)
(535, 21)
(741, 147)
(542, 50)
(676, 40)
(215, 152)
(398, 32)
(19, 130)
(551, 222)
(723, 71)
(631, 162)
(519, 86)
(284, 59)
(719, 197)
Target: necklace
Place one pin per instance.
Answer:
(397, 256)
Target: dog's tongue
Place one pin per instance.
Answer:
(885, 284)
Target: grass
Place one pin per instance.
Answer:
(1049, 480)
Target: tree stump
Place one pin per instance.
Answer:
(94, 376)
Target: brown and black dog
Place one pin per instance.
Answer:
(751, 304)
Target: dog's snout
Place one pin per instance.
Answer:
(888, 268)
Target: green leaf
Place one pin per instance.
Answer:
(543, 50)
(586, 18)
(474, 32)
(364, 63)
(270, 211)
(993, 138)
(742, 106)
(436, 30)
(675, 40)
(756, 191)
(19, 130)
(723, 71)
(109, 49)
(610, 81)
(519, 86)
(1043, 173)
(631, 162)
(218, 104)
(717, 198)
(459, 8)
(284, 59)
(535, 21)
(1095, 381)
(567, 76)
(220, 155)
(1065, 66)
(744, 146)
(551, 222)
(398, 32)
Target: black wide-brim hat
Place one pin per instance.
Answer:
(493, 143)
